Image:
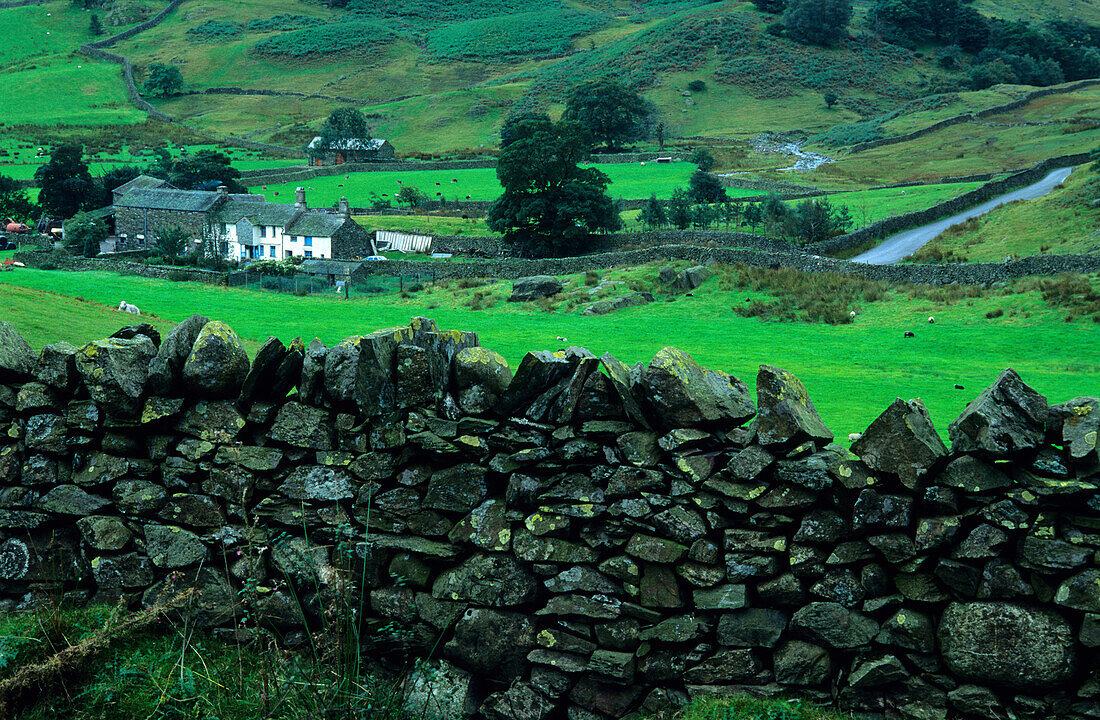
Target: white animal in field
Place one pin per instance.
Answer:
(127, 307)
(852, 314)
(931, 320)
(852, 437)
(562, 339)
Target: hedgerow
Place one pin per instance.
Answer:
(327, 39)
(510, 37)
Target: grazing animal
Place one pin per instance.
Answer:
(852, 437)
(563, 339)
(931, 320)
(909, 333)
(852, 314)
(959, 387)
(127, 307)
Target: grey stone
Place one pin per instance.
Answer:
(909, 630)
(802, 663)
(603, 307)
(490, 580)
(681, 393)
(749, 463)
(1080, 592)
(486, 527)
(677, 629)
(834, 625)
(752, 627)
(491, 642)
(611, 664)
(172, 547)
(17, 358)
(71, 500)
(723, 667)
(166, 368)
(57, 366)
(1007, 644)
(267, 378)
(438, 690)
(311, 386)
(901, 441)
(122, 571)
(103, 532)
(785, 413)
(655, 549)
(217, 364)
(973, 476)
(534, 287)
(303, 426)
(692, 277)
(521, 701)
(1080, 423)
(318, 484)
(877, 672)
(579, 606)
(1007, 417)
(975, 701)
(680, 524)
(482, 367)
(724, 597)
(115, 372)
(456, 489)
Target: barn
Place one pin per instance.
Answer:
(348, 150)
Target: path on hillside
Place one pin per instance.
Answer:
(904, 244)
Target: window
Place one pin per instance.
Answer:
(309, 241)
(244, 251)
(272, 253)
(293, 238)
(287, 254)
(263, 231)
(309, 253)
(223, 229)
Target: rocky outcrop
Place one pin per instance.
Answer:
(579, 538)
(534, 287)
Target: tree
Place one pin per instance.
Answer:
(409, 194)
(173, 240)
(342, 124)
(613, 114)
(679, 209)
(705, 187)
(550, 204)
(84, 233)
(770, 6)
(512, 122)
(206, 168)
(814, 220)
(95, 27)
(818, 22)
(753, 215)
(831, 99)
(703, 160)
(14, 202)
(66, 185)
(773, 212)
(163, 80)
(653, 213)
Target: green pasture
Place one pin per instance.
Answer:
(870, 206)
(426, 224)
(929, 111)
(851, 371)
(628, 180)
(1059, 223)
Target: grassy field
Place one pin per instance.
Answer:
(1059, 223)
(628, 180)
(852, 371)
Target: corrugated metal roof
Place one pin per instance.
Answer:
(347, 144)
(164, 199)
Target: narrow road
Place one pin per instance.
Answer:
(904, 244)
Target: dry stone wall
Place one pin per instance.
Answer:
(575, 538)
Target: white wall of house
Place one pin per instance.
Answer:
(270, 242)
(305, 246)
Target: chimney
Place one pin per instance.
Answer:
(345, 209)
(300, 198)
(223, 191)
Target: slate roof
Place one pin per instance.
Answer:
(316, 224)
(142, 182)
(164, 199)
(262, 213)
(347, 144)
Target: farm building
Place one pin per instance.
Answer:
(141, 182)
(244, 227)
(348, 150)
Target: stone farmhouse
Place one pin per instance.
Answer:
(348, 150)
(244, 227)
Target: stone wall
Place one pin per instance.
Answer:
(575, 539)
(134, 221)
(65, 261)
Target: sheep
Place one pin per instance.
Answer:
(852, 437)
(124, 306)
(562, 339)
(909, 333)
(852, 315)
(931, 320)
(959, 387)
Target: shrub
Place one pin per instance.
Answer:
(327, 39)
(282, 22)
(591, 278)
(852, 134)
(511, 37)
(697, 86)
(216, 30)
(179, 275)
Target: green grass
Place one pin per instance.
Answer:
(425, 224)
(628, 180)
(869, 206)
(852, 371)
(750, 708)
(1059, 223)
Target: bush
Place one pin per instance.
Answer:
(282, 22)
(697, 86)
(327, 39)
(179, 275)
(852, 134)
(512, 37)
(216, 30)
(591, 278)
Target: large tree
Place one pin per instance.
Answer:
(66, 185)
(613, 114)
(163, 80)
(14, 202)
(344, 123)
(84, 234)
(550, 205)
(206, 168)
(818, 22)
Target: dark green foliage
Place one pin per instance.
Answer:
(754, 215)
(550, 205)
(66, 185)
(437, 11)
(770, 6)
(508, 130)
(697, 86)
(1026, 69)
(679, 209)
(173, 240)
(814, 220)
(410, 195)
(206, 167)
(344, 123)
(613, 114)
(702, 159)
(653, 213)
(95, 27)
(991, 73)
(14, 202)
(118, 175)
(916, 22)
(831, 99)
(515, 37)
(216, 30)
(705, 187)
(852, 134)
(327, 39)
(163, 80)
(83, 234)
(282, 22)
(818, 22)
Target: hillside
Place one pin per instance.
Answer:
(438, 76)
